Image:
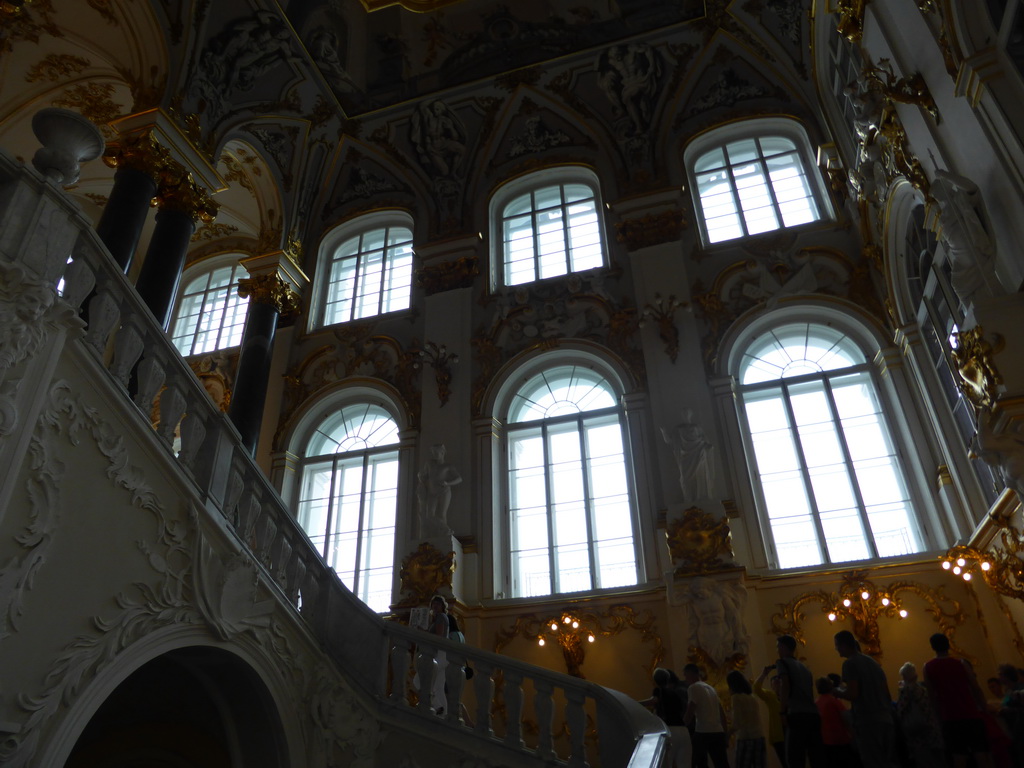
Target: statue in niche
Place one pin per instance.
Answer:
(715, 615)
(440, 140)
(694, 457)
(629, 76)
(970, 249)
(434, 493)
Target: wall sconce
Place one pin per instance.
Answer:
(662, 311)
(864, 604)
(1002, 569)
(438, 358)
(572, 637)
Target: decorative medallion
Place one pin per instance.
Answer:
(699, 543)
(424, 573)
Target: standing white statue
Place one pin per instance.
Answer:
(694, 457)
(970, 249)
(434, 492)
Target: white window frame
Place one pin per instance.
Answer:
(342, 234)
(761, 128)
(234, 303)
(548, 177)
(504, 402)
(924, 515)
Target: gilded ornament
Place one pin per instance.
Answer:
(103, 7)
(1000, 566)
(141, 152)
(438, 358)
(272, 291)
(424, 573)
(26, 20)
(663, 312)
(861, 601)
(93, 100)
(55, 67)
(177, 190)
(213, 231)
(903, 90)
(700, 544)
(973, 357)
(851, 19)
(652, 229)
(449, 275)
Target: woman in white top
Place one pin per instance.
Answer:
(746, 723)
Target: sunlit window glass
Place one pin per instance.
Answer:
(369, 274)
(210, 314)
(550, 231)
(829, 478)
(570, 502)
(348, 498)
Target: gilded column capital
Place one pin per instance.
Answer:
(141, 152)
(178, 191)
(272, 291)
(851, 19)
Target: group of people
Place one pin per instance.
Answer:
(846, 720)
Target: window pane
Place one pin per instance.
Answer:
(210, 314)
(369, 275)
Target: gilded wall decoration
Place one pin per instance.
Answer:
(27, 23)
(651, 229)
(216, 373)
(850, 20)
(663, 314)
(424, 573)
(93, 100)
(614, 621)
(699, 543)
(96, 198)
(103, 8)
(448, 275)
(212, 230)
(441, 360)
(540, 316)
(281, 143)
(56, 66)
(973, 356)
(1000, 565)
(859, 600)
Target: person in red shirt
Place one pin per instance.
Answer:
(959, 704)
(836, 737)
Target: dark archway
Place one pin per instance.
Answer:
(197, 707)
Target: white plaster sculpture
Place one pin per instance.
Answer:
(694, 457)
(715, 613)
(434, 492)
(968, 245)
(1004, 451)
(439, 137)
(629, 78)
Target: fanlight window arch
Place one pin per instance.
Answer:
(570, 499)
(210, 313)
(348, 498)
(829, 481)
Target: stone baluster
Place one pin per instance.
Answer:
(544, 708)
(193, 429)
(514, 709)
(454, 680)
(128, 347)
(576, 718)
(103, 316)
(182, 204)
(139, 160)
(233, 493)
(172, 408)
(309, 596)
(294, 575)
(270, 298)
(248, 513)
(266, 531)
(399, 670)
(150, 375)
(280, 556)
(79, 278)
(425, 668)
(483, 686)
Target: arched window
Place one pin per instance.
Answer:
(752, 178)
(210, 314)
(366, 271)
(348, 497)
(830, 484)
(547, 225)
(569, 497)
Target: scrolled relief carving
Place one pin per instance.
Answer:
(24, 304)
(227, 591)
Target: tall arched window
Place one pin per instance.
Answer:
(829, 480)
(367, 270)
(548, 225)
(752, 178)
(348, 495)
(210, 314)
(569, 497)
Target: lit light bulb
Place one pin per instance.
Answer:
(946, 564)
(903, 613)
(885, 601)
(590, 638)
(566, 619)
(831, 617)
(540, 641)
(986, 566)
(967, 576)
(554, 627)
(575, 625)
(956, 570)
(865, 595)
(961, 562)
(847, 602)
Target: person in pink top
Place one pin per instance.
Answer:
(959, 704)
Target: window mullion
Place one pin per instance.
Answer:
(806, 473)
(848, 458)
(535, 222)
(588, 505)
(565, 229)
(356, 570)
(549, 485)
(328, 537)
(383, 271)
(735, 192)
(762, 161)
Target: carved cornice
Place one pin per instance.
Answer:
(652, 229)
(272, 291)
(449, 275)
(699, 544)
